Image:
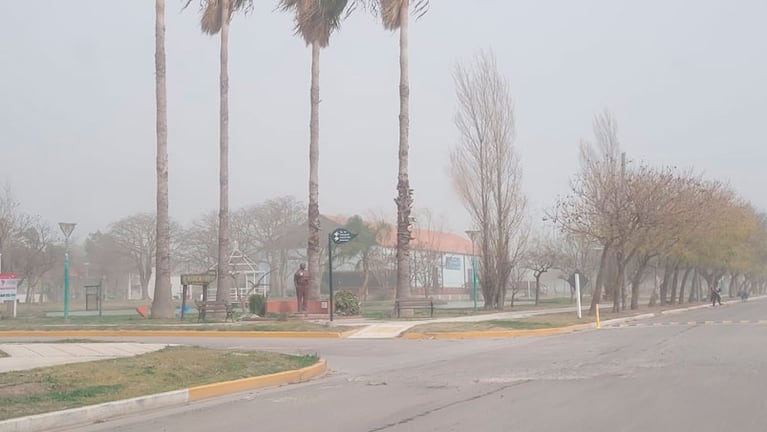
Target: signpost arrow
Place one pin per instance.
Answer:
(342, 235)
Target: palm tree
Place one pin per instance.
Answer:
(395, 16)
(212, 22)
(161, 306)
(315, 21)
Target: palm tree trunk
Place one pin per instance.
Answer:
(161, 306)
(313, 247)
(222, 288)
(404, 198)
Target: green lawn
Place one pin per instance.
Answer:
(74, 385)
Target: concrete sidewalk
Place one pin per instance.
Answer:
(23, 356)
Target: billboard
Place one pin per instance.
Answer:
(8, 287)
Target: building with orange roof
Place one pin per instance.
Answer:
(441, 264)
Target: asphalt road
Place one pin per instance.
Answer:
(699, 371)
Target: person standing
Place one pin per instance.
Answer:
(301, 281)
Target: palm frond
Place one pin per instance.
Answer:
(316, 20)
(210, 20)
(389, 10)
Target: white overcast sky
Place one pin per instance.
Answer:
(685, 79)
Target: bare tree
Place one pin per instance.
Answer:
(382, 259)
(486, 172)
(259, 228)
(540, 258)
(576, 254)
(597, 201)
(136, 237)
(34, 252)
(12, 221)
(426, 255)
(198, 250)
(107, 260)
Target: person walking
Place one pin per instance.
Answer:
(716, 295)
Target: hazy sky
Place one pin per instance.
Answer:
(686, 81)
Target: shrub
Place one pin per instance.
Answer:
(257, 304)
(347, 304)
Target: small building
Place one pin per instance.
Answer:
(440, 262)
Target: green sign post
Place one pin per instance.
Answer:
(338, 236)
(66, 229)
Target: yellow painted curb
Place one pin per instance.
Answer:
(173, 333)
(495, 333)
(347, 333)
(287, 377)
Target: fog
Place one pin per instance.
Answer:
(684, 80)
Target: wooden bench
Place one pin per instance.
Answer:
(213, 306)
(414, 303)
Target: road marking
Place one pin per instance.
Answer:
(687, 323)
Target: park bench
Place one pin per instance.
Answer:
(414, 303)
(213, 306)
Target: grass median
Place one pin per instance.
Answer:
(531, 323)
(122, 322)
(56, 388)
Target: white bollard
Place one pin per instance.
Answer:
(578, 293)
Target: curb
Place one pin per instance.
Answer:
(629, 318)
(549, 331)
(273, 380)
(676, 311)
(496, 333)
(88, 414)
(178, 333)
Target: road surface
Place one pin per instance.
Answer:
(703, 370)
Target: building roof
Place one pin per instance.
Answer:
(422, 240)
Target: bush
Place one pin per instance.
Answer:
(257, 304)
(347, 304)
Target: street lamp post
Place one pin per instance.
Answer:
(66, 229)
(472, 235)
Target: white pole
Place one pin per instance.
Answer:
(578, 294)
(528, 289)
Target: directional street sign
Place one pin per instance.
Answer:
(342, 235)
